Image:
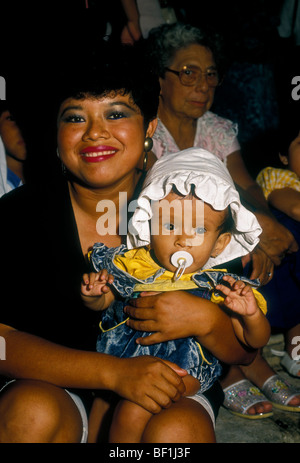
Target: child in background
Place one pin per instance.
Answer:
(12, 151)
(177, 252)
(281, 187)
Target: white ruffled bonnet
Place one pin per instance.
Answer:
(213, 184)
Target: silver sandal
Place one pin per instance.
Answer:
(242, 395)
(280, 392)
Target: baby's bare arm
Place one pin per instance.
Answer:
(95, 290)
(249, 322)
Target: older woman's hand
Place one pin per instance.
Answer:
(276, 240)
(262, 266)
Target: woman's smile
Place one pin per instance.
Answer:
(98, 153)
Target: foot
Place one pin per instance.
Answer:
(282, 394)
(259, 371)
(235, 374)
(242, 397)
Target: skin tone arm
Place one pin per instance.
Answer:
(275, 239)
(165, 314)
(132, 31)
(286, 200)
(151, 383)
(250, 324)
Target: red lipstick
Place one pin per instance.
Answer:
(97, 153)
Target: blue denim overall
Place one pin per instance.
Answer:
(117, 339)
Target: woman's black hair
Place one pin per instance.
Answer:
(82, 70)
(112, 68)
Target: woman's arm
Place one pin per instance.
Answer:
(286, 200)
(143, 380)
(178, 314)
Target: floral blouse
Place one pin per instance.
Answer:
(214, 133)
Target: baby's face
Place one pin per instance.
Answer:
(190, 225)
(294, 155)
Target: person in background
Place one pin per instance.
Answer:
(12, 151)
(190, 65)
(281, 187)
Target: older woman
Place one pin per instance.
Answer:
(106, 112)
(189, 63)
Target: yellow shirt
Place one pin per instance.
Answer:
(139, 263)
(271, 179)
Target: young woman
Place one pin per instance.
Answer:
(107, 108)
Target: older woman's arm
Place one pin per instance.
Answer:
(178, 314)
(275, 240)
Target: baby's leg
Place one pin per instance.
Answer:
(128, 423)
(192, 385)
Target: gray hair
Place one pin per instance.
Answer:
(164, 41)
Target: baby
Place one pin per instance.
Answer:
(188, 219)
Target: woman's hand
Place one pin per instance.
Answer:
(276, 240)
(163, 314)
(178, 314)
(262, 266)
(148, 381)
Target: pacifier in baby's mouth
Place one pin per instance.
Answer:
(181, 260)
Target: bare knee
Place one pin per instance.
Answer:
(185, 421)
(33, 411)
(129, 422)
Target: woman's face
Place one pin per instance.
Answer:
(101, 141)
(191, 102)
(12, 137)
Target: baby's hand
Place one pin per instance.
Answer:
(95, 284)
(239, 297)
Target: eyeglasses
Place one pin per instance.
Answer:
(189, 76)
